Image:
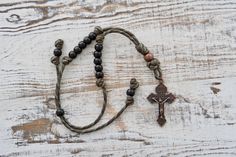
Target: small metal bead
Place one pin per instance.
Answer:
(57, 52)
(77, 50)
(98, 47)
(98, 68)
(72, 54)
(148, 57)
(82, 45)
(130, 92)
(87, 40)
(97, 54)
(97, 61)
(60, 112)
(99, 75)
(92, 36)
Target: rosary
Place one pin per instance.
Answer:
(161, 96)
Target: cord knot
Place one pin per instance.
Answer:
(100, 38)
(66, 60)
(59, 43)
(129, 101)
(98, 30)
(141, 48)
(100, 83)
(55, 60)
(154, 64)
(134, 83)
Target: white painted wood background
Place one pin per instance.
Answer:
(195, 40)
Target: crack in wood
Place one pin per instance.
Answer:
(215, 90)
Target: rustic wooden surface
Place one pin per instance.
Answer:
(194, 40)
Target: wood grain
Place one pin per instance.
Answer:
(194, 40)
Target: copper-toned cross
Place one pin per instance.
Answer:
(162, 96)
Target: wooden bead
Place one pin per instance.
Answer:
(57, 52)
(82, 45)
(97, 61)
(92, 36)
(130, 92)
(148, 57)
(72, 54)
(98, 68)
(60, 112)
(77, 50)
(98, 47)
(97, 54)
(99, 75)
(87, 40)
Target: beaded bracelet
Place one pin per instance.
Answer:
(162, 96)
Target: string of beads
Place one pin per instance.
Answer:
(99, 35)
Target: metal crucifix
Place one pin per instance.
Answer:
(162, 96)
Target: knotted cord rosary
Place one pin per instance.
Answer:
(161, 97)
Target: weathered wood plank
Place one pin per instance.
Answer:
(194, 40)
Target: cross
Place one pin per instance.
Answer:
(162, 96)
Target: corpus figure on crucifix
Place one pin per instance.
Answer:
(161, 97)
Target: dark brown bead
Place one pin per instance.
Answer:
(77, 50)
(92, 36)
(60, 112)
(99, 75)
(98, 47)
(82, 45)
(72, 54)
(98, 68)
(87, 40)
(97, 54)
(97, 61)
(130, 92)
(57, 52)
